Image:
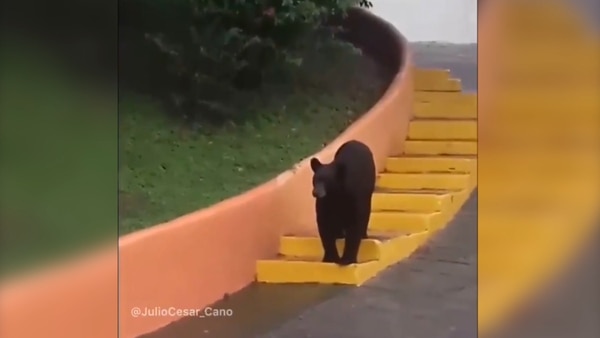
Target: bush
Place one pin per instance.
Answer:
(228, 46)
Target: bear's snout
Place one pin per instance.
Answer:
(318, 191)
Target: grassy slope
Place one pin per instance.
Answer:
(168, 171)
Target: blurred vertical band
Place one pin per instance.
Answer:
(58, 164)
(539, 158)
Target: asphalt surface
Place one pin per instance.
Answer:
(433, 294)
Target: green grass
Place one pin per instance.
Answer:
(168, 170)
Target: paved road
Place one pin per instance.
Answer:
(430, 295)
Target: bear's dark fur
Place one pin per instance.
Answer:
(343, 190)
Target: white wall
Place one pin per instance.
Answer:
(452, 21)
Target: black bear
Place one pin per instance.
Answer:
(343, 190)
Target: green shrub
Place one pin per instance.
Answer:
(227, 46)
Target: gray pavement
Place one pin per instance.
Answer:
(433, 294)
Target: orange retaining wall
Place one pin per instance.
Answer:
(196, 259)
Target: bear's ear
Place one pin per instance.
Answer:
(315, 164)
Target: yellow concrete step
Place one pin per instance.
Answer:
(423, 181)
(451, 200)
(403, 221)
(287, 271)
(462, 109)
(447, 98)
(413, 147)
(293, 270)
(435, 129)
(450, 85)
(413, 202)
(435, 80)
(310, 248)
(431, 164)
(431, 74)
(371, 249)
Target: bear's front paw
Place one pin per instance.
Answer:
(346, 261)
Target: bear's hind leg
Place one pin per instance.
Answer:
(331, 254)
(364, 216)
(351, 246)
(356, 232)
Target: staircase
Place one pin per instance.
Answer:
(417, 194)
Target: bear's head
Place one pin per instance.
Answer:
(327, 178)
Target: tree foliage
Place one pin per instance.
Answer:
(229, 45)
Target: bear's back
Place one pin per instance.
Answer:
(359, 165)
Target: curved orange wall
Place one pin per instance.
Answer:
(195, 260)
